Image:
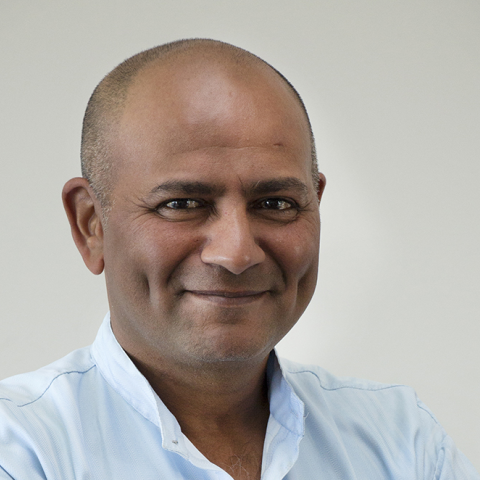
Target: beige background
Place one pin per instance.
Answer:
(393, 89)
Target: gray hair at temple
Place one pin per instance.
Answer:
(108, 99)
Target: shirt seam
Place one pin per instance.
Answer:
(1, 468)
(382, 387)
(432, 417)
(48, 387)
(441, 454)
(440, 457)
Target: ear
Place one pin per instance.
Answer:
(322, 181)
(84, 215)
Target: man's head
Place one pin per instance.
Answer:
(108, 101)
(211, 249)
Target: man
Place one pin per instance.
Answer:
(199, 200)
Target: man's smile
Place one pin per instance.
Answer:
(229, 297)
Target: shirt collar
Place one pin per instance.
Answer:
(285, 406)
(121, 374)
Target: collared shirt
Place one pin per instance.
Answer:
(93, 416)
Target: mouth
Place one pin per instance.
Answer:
(229, 297)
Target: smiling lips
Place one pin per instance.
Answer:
(229, 297)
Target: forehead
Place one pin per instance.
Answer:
(212, 107)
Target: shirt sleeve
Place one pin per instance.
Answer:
(452, 464)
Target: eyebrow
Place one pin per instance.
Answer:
(261, 187)
(187, 188)
(274, 185)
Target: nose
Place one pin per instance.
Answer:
(231, 244)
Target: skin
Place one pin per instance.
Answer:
(211, 250)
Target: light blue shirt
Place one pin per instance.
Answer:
(93, 416)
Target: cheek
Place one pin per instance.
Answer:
(144, 255)
(297, 252)
(161, 250)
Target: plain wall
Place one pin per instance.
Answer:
(393, 91)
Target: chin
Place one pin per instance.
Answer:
(227, 352)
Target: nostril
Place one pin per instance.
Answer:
(231, 242)
(233, 257)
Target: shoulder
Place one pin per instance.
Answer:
(322, 379)
(348, 396)
(327, 381)
(28, 388)
(39, 412)
(379, 427)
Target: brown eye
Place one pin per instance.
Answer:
(182, 204)
(275, 204)
(276, 209)
(182, 209)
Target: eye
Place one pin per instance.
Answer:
(276, 209)
(180, 209)
(182, 204)
(275, 204)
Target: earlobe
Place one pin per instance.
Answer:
(83, 212)
(322, 181)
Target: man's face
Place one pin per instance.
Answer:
(211, 249)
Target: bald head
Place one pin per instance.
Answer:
(188, 58)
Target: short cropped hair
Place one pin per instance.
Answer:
(109, 97)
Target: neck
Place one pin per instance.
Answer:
(222, 408)
(223, 411)
(216, 395)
